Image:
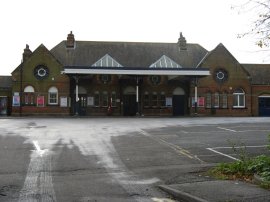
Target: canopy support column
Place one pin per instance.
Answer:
(137, 96)
(196, 97)
(76, 95)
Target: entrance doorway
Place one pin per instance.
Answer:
(3, 105)
(178, 102)
(129, 101)
(81, 105)
(264, 105)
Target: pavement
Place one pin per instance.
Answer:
(217, 191)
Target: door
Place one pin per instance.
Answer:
(178, 102)
(178, 105)
(82, 105)
(3, 105)
(129, 105)
(264, 106)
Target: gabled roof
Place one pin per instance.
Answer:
(260, 73)
(40, 47)
(224, 50)
(5, 81)
(107, 61)
(128, 54)
(166, 62)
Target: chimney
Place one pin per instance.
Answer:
(182, 43)
(26, 53)
(70, 40)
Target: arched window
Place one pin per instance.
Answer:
(146, 99)
(53, 96)
(105, 99)
(162, 99)
(96, 99)
(154, 99)
(239, 98)
(113, 99)
(29, 94)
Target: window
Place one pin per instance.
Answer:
(53, 96)
(105, 99)
(208, 100)
(162, 99)
(146, 99)
(96, 99)
(154, 99)
(238, 98)
(83, 101)
(113, 99)
(224, 100)
(216, 100)
(29, 94)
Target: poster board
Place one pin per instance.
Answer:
(16, 101)
(90, 101)
(63, 101)
(168, 101)
(40, 101)
(200, 102)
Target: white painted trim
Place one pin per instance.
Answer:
(264, 96)
(137, 72)
(165, 59)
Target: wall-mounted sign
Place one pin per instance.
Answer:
(168, 101)
(63, 101)
(40, 101)
(90, 101)
(16, 101)
(200, 102)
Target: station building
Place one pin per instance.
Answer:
(98, 78)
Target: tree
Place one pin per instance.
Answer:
(260, 27)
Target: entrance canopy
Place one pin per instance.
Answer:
(137, 71)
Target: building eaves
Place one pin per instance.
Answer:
(259, 73)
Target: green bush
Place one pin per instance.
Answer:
(259, 165)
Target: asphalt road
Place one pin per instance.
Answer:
(117, 159)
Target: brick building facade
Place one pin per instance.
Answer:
(132, 78)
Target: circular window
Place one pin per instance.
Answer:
(155, 79)
(41, 72)
(105, 78)
(220, 75)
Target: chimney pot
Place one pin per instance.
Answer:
(70, 40)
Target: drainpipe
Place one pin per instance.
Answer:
(137, 95)
(21, 87)
(196, 96)
(76, 96)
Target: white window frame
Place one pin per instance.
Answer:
(216, 100)
(237, 94)
(29, 94)
(53, 91)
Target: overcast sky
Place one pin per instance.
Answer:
(206, 22)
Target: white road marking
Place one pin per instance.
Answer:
(38, 184)
(176, 148)
(94, 137)
(162, 200)
(39, 151)
(227, 129)
(214, 149)
(237, 147)
(223, 154)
